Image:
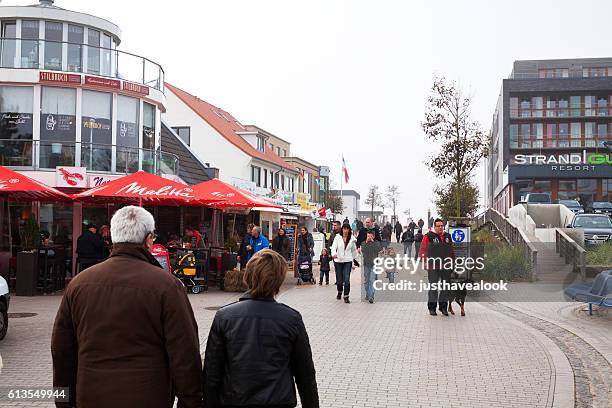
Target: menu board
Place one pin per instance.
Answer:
(291, 232)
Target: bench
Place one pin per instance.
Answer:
(598, 292)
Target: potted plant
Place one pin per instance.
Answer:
(27, 259)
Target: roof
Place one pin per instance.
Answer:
(257, 128)
(227, 126)
(346, 193)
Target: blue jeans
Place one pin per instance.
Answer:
(391, 277)
(408, 249)
(324, 274)
(343, 277)
(368, 279)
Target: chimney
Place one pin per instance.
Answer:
(46, 2)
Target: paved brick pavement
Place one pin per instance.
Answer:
(387, 354)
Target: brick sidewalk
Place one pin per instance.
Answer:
(388, 354)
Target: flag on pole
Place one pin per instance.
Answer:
(345, 171)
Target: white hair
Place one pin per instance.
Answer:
(131, 224)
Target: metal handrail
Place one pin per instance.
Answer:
(571, 251)
(40, 64)
(158, 155)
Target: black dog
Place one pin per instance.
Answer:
(458, 296)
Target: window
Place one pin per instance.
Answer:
(127, 134)
(551, 135)
(93, 51)
(551, 107)
(106, 55)
(606, 189)
(589, 134)
(75, 39)
(513, 136)
(271, 147)
(265, 178)
(260, 143)
(575, 106)
(563, 135)
(277, 181)
(184, 132)
(256, 175)
(594, 72)
(53, 45)
(16, 126)
(602, 132)
(525, 107)
(148, 137)
(278, 150)
(96, 131)
(563, 104)
(57, 127)
(589, 103)
(7, 56)
(284, 153)
(538, 133)
(537, 105)
(29, 44)
(567, 190)
(525, 135)
(575, 130)
(514, 107)
(554, 73)
(587, 190)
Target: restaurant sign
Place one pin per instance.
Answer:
(166, 191)
(102, 82)
(71, 177)
(136, 88)
(59, 77)
(97, 181)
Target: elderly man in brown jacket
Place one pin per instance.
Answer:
(125, 334)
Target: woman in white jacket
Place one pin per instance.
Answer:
(344, 252)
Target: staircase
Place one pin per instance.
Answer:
(552, 267)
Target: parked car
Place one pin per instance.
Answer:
(572, 205)
(5, 298)
(597, 227)
(601, 207)
(537, 198)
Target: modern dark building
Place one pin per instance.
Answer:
(551, 131)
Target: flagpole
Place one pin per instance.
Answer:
(341, 193)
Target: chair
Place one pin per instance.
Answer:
(599, 292)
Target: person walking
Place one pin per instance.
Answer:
(344, 253)
(370, 250)
(359, 224)
(125, 334)
(258, 350)
(368, 225)
(354, 225)
(305, 244)
(280, 243)
(346, 221)
(243, 252)
(398, 231)
(257, 242)
(411, 225)
(387, 231)
(418, 238)
(421, 223)
(436, 249)
(408, 240)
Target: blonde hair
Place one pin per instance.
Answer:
(265, 273)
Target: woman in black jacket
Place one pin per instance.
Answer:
(281, 243)
(258, 349)
(305, 244)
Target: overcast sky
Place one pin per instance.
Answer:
(351, 77)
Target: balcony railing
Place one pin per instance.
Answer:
(82, 58)
(557, 141)
(573, 111)
(37, 154)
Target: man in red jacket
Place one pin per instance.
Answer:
(437, 249)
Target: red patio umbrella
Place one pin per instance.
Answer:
(143, 188)
(228, 196)
(17, 187)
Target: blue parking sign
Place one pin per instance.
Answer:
(458, 236)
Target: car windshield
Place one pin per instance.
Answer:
(602, 205)
(593, 222)
(569, 203)
(538, 198)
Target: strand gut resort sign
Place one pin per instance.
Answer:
(583, 161)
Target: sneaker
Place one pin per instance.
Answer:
(346, 299)
(433, 313)
(339, 296)
(320, 283)
(371, 301)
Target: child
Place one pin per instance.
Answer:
(324, 261)
(390, 272)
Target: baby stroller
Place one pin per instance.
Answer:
(305, 270)
(185, 270)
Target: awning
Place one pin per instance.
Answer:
(143, 188)
(229, 196)
(267, 209)
(18, 187)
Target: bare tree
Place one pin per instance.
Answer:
(373, 199)
(464, 144)
(393, 195)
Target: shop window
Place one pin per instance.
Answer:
(16, 125)
(29, 43)
(521, 188)
(127, 134)
(56, 220)
(587, 190)
(96, 132)
(148, 137)
(567, 190)
(606, 189)
(53, 45)
(75, 48)
(542, 186)
(93, 51)
(57, 127)
(106, 55)
(8, 44)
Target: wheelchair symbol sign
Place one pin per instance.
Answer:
(458, 236)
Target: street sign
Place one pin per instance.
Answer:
(461, 241)
(458, 236)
